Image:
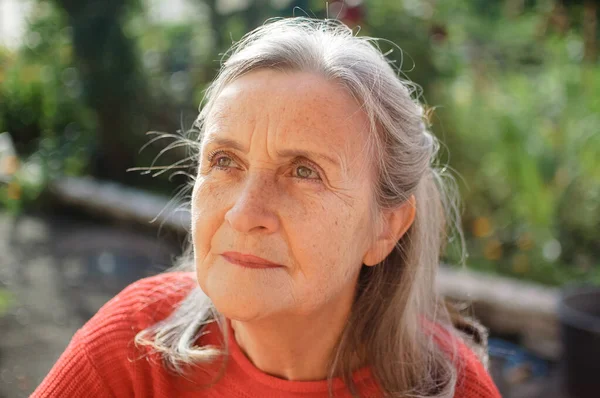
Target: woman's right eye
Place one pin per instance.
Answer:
(221, 160)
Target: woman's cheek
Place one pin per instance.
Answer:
(207, 214)
(312, 228)
(209, 196)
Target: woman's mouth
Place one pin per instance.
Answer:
(248, 260)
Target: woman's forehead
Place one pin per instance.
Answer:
(299, 106)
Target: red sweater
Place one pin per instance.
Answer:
(102, 361)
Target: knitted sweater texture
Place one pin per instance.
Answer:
(102, 360)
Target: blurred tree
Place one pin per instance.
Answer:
(217, 21)
(516, 81)
(409, 25)
(113, 84)
(587, 13)
(590, 30)
(41, 103)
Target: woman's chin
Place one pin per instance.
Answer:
(245, 294)
(240, 309)
(242, 303)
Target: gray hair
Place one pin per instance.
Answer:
(394, 298)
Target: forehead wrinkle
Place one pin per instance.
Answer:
(224, 125)
(220, 111)
(261, 122)
(334, 156)
(227, 108)
(226, 115)
(225, 142)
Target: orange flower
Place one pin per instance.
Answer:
(493, 250)
(520, 264)
(14, 191)
(482, 227)
(524, 242)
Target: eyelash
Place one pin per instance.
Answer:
(211, 156)
(297, 162)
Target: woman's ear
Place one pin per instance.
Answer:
(396, 223)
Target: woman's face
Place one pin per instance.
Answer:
(284, 176)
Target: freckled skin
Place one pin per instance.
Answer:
(319, 228)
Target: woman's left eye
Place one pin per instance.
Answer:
(305, 173)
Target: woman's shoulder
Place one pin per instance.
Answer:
(473, 378)
(140, 305)
(467, 349)
(156, 295)
(101, 359)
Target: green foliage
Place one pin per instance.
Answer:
(41, 107)
(516, 106)
(6, 300)
(520, 116)
(40, 91)
(518, 112)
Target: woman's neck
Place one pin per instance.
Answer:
(292, 348)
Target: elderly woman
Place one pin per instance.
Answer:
(317, 224)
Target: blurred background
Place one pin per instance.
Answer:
(514, 92)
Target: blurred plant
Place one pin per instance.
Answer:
(6, 300)
(112, 82)
(22, 180)
(40, 105)
(516, 83)
(40, 90)
(521, 124)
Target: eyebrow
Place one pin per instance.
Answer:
(307, 154)
(227, 142)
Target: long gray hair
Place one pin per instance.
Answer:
(393, 299)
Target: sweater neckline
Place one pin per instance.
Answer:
(268, 380)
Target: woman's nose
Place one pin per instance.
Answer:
(252, 210)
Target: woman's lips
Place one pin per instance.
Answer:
(247, 260)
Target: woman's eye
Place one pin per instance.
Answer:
(306, 173)
(221, 161)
